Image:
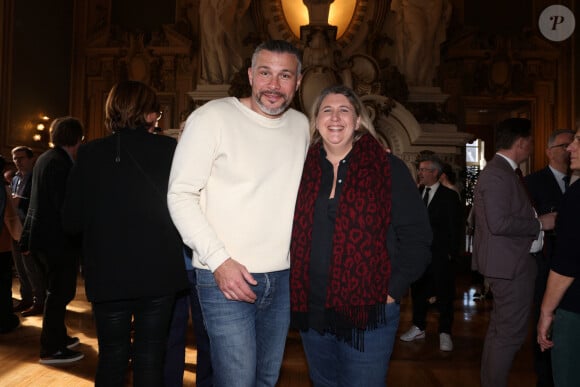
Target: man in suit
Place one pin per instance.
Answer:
(446, 218)
(32, 281)
(508, 234)
(547, 186)
(43, 235)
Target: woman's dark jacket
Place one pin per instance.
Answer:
(116, 198)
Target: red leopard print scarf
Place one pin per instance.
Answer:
(360, 267)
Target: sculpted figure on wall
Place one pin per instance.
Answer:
(319, 50)
(420, 29)
(220, 39)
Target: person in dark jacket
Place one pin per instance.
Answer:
(8, 320)
(43, 236)
(133, 262)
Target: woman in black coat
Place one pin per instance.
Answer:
(133, 264)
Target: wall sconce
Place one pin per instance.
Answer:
(340, 15)
(40, 135)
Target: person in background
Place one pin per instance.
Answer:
(116, 201)
(43, 236)
(360, 237)
(559, 322)
(29, 270)
(448, 178)
(547, 187)
(446, 218)
(10, 228)
(508, 234)
(232, 192)
(176, 343)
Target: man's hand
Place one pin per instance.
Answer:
(548, 220)
(234, 279)
(544, 325)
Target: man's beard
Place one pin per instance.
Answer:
(272, 111)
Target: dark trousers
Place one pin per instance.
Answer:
(61, 275)
(176, 343)
(151, 320)
(30, 276)
(437, 281)
(7, 317)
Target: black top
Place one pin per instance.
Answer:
(117, 200)
(42, 229)
(325, 210)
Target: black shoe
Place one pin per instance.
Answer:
(22, 305)
(72, 342)
(34, 310)
(13, 323)
(62, 357)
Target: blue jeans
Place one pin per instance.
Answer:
(334, 363)
(566, 337)
(151, 319)
(246, 340)
(176, 342)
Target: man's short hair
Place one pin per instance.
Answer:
(25, 149)
(281, 47)
(558, 132)
(435, 161)
(509, 130)
(66, 131)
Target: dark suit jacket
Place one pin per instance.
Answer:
(446, 218)
(117, 200)
(546, 195)
(505, 223)
(42, 230)
(544, 190)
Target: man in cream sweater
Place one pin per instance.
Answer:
(232, 192)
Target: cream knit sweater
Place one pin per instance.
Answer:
(233, 184)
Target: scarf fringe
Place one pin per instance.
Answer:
(347, 324)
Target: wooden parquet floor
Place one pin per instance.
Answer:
(415, 364)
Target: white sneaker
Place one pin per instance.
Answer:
(413, 334)
(445, 343)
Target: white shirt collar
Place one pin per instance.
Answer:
(512, 163)
(433, 187)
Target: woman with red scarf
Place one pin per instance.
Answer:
(361, 235)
